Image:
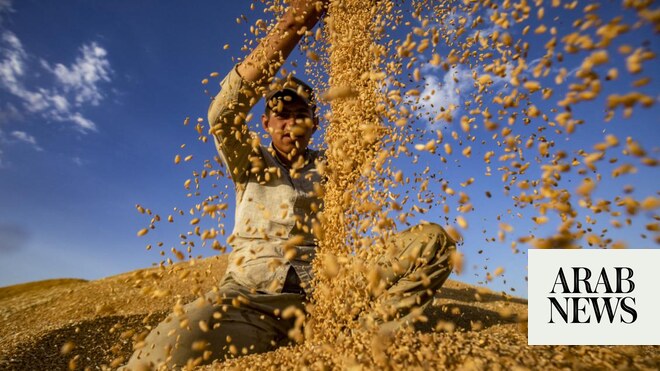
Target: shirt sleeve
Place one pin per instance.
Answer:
(227, 115)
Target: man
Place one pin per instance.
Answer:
(269, 269)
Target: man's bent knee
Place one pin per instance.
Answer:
(434, 237)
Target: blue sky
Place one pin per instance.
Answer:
(92, 101)
(70, 175)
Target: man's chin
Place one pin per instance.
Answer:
(285, 149)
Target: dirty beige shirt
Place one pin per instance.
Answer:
(273, 203)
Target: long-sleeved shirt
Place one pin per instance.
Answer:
(275, 205)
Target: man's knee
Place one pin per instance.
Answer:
(435, 237)
(430, 229)
(422, 243)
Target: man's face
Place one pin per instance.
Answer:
(290, 125)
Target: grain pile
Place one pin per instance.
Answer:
(77, 324)
(55, 324)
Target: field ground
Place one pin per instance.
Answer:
(100, 318)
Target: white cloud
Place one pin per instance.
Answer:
(490, 26)
(78, 161)
(81, 79)
(82, 122)
(60, 103)
(23, 136)
(12, 66)
(26, 138)
(74, 86)
(9, 114)
(5, 5)
(5, 8)
(448, 94)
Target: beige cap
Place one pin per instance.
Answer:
(292, 85)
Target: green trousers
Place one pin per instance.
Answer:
(235, 321)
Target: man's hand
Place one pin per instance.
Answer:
(308, 12)
(264, 61)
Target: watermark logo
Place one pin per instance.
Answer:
(593, 297)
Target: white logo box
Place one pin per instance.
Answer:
(583, 328)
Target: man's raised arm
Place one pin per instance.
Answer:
(239, 93)
(264, 61)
